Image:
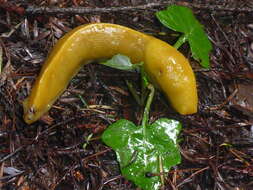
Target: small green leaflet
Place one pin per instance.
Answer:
(121, 62)
(141, 153)
(181, 19)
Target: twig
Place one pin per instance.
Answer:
(217, 107)
(88, 10)
(73, 151)
(11, 7)
(11, 154)
(96, 154)
(217, 7)
(191, 176)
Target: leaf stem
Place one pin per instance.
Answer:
(144, 84)
(161, 170)
(133, 92)
(181, 40)
(147, 107)
(145, 118)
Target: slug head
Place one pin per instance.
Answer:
(32, 112)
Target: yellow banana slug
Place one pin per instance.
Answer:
(166, 66)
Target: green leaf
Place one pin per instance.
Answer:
(121, 62)
(181, 19)
(140, 153)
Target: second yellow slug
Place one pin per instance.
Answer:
(166, 66)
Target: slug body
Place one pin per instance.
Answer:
(166, 66)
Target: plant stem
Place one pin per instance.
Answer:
(133, 92)
(145, 118)
(87, 141)
(82, 100)
(144, 84)
(161, 170)
(181, 40)
(147, 107)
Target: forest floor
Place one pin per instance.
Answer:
(216, 143)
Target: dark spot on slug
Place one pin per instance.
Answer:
(160, 72)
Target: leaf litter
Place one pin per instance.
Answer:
(216, 144)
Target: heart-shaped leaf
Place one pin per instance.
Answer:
(141, 151)
(181, 19)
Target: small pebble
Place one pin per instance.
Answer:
(250, 26)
